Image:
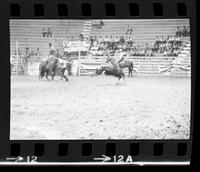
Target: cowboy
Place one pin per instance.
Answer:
(121, 57)
(62, 66)
(113, 62)
(52, 50)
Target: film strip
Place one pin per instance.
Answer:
(34, 137)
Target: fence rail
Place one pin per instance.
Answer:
(143, 65)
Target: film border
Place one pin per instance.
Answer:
(99, 147)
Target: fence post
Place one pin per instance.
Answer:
(79, 63)
(17, 55)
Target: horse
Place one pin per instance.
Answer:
(49, 67)
(127, 64)
(109, 71)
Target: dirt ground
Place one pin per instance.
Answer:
(100, 108)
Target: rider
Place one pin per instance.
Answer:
(121, 57)
(114, 63)
(52, 51)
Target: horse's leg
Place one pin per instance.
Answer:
(66, 79)
(98, 72)
(59, 73)
(63, 75)
(131, 73)
(52, 76)
(53, 73)
(46, 75)
(123, 76)
(41, 74)
(94, 74)
(69, 71)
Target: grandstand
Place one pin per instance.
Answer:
(29, 34)
(144, 31)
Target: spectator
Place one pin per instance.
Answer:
(44, 32)
(184, 31)
(127, 29)
(178, 32)
(131, 30)
(58, 55)
(188, 31)
(106, 39)
(81, 37)
(52, 50)
(100, 39)
(121, 40)
(117, 40)
(38, 53)
(27, 54)
(49, 33)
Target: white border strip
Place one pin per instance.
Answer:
(140, 163)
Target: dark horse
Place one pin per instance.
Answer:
(126, 64)
(49, 67)
(109, 71)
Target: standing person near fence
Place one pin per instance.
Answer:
(24, 61)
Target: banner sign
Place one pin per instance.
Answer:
(70, 46)
(97, 23)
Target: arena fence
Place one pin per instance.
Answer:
(143, 65)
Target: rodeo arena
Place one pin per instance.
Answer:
(100, 79)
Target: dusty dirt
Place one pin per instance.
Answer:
(98, 108)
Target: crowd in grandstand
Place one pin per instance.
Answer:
(110, 43)
(168, 46)
(184, 31)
